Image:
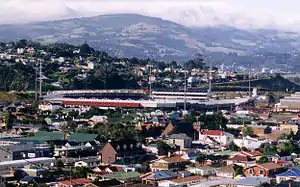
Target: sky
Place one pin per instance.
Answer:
(192, 13)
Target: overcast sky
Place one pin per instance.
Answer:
(241, 13)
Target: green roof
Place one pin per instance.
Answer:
(270, 153)
(153, 145)
(122, 162)
(123, 175)
(82, 137)
(224, 153)
(45, 136)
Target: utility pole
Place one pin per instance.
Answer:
(249, 80)
(210, 69)
(150, 78)
(184, 107)
(41, 81)
(35, 82)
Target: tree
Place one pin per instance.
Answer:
(160, 65)
(52, 148)
(8, 120)
(247, 130)
(268, 130)
(235, 132)
(233, 147)
(262, 159)
(44, 126)
(201, 158)
(59, 164)
(70, 126)
(291, 136)
(238, 171)
(197, 62)
(105, 71)
(215, 121)
(163, 148)
(80, 172)
(271, 98)
(173, 64)
(85, 49)
(287, 147)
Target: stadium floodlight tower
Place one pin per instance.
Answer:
(185, 112)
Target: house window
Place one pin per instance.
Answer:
(261, 171)
(173, 141)
(251, 171)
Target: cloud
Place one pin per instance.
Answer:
(192, 13)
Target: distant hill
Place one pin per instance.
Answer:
(276, 83)
(148, 37)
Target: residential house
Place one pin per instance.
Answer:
(103, 170)
(168, 163)
(114, 151)
(251, 182)
(180, 127)
(82, 138)
(252, 154)
(74, 182)
(98, 119)
(258, 130)
(181, 140)
(293, 174)
(23, 151)
(275, 157)
(46, 106)
(263, 170)
(226, 171)
(108, 154)
(203, 171)
(191, 156)
(216, 137)
(151, 148)
(156, 176)
(289, 183)
(241, 160)
(124, 177)
(90, 163)
(182, 181)
(29, 180)
(250, 142)
(290, 127)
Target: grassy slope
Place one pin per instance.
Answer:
(8, 97)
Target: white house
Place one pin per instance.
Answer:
(90, 163)
(48, 107)
(203, 171)
(219, 137)
(20, 50)
(151, 148)
(61, 59)
(98, 119)
(91, 65)
(227, 171)
(251, 182)
(249, 142)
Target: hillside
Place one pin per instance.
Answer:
(148, 37)
(276, 83)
